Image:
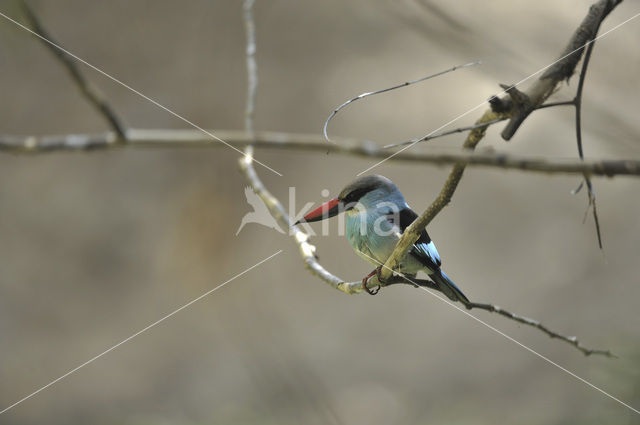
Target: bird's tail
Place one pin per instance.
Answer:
(448, 288)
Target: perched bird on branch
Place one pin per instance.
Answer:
(377, 215)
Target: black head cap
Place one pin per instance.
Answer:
(365, 184)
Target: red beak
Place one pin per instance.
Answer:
(326, 210)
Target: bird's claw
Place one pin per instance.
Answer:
(364, 282)
(366, 288)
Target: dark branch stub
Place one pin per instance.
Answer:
(500, 105)
(521, 107)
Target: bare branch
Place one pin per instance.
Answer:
(517, 105)
(184, 139)
(397, 86)
(89, 91)
(554, 104)
(536, 324)
(578, 105)
(445, 133)
(572, 340)
(252, 66)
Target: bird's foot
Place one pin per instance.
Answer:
(364, 282)
(378, 271)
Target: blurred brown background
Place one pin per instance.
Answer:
(95, 246)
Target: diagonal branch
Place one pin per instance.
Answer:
(517, 105)
(536, 324)
(444, 133)
(88, 90)
(307, 251)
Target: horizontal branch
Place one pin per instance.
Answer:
(175, 139)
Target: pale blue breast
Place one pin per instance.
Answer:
(373, 238)
(370, 244)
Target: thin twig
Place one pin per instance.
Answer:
(90, 92)
(424, 283)
(397, 86)
(578, 105)
(554, 104)
(446, 133)
(572, 340)
(252, 67)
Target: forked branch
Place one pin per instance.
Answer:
(88, 90)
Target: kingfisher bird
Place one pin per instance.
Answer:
(376, 216)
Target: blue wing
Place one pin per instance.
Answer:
(424, 249)
(429, 251)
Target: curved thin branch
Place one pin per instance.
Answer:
(397, 86)
(577, 101)
(88, 90)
